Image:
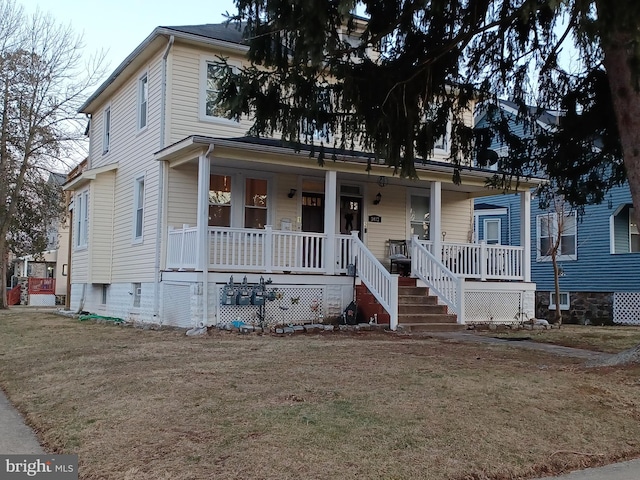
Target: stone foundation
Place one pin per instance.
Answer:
(585, 308)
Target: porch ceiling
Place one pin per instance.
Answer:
(271, 155)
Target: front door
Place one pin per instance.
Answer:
(313, 212)
(350, 215)
(312, 221)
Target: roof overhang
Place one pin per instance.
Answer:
(238, 150)
(157, 40)
(87, 176)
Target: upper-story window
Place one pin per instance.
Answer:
(143, 101)
(211, 71)
(552, 228)
(106, 130)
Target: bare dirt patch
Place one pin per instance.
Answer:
(139, 404)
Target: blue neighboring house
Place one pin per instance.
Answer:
(600, 249)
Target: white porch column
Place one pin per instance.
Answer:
(202, 259)
(330, 207)
(525, 233)
(435, 219)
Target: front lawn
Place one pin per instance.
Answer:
(140, 404)
(610, 339)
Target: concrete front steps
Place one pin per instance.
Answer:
(417, 310)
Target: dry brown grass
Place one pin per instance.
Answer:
(155, 405)
(610, 339)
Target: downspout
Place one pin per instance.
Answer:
(205, 266)
(161, 167)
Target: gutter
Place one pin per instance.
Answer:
(161, 168)
(427, 166)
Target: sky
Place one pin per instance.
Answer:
(119, 26)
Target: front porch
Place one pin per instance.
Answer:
(271, 212)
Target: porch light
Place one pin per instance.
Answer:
(291, 193)
(378, 198)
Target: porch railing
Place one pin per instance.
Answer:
(265, 250)
(182, 248)
(382, 284)
(481, 261)
(444, 283)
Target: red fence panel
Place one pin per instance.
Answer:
(13, 296)
(41, 286)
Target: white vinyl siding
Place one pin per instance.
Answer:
(186, 97)
(182, 196)
(143, 101)
(457, 217)
(132, 149)
(101, 232)
(138, 209)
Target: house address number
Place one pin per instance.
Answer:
(375, 218)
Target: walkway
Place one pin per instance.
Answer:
(15, 436)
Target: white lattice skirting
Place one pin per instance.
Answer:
(294, 305)
(626, 308)
(495, 307)
(43, 300)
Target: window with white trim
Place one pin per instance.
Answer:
(106, 130)
(220, 201)
(492, 228)
(547, 228)
(137, 294)
(419, 216)
(238, 201)
(623, 232)
(255, 203)
(138, 208)
(81, 219)
(564, 301)
(634, 235)
(211, 71)
(143, 101)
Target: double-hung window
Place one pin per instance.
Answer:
(138, 209)
(238, 201)
(553, 228)
(255, 205)
(106, 130)
(220, 201)
(211, 73)
(143, 101)
(81, 214)
(492, 227)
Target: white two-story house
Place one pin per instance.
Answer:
(176, 200)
